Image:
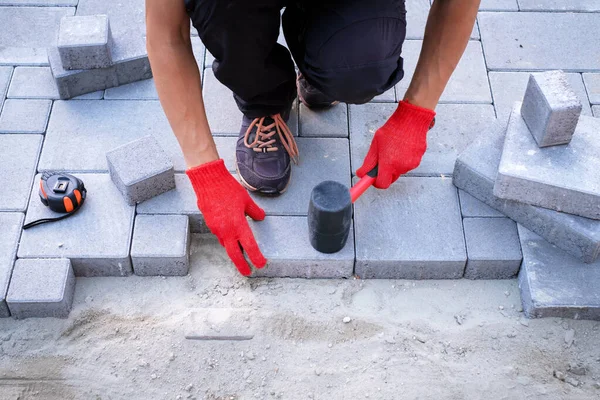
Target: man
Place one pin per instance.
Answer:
(345, 50)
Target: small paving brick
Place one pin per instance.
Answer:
(85, 42)
(284, 241)
(5, 76)
(499, 5)
(592, 84)
(11, 224)
(41, 288)
(18, 160)
(27, 32)
(493, 248)
(96, 238)
(140, 170)
(221, 324)
(328, 122)
(24, 116)
(554, 284)
(413, 230)
(389, 96)
(559, 5)
(472, 207)
(416, 18)
(509, 87)
(33, 83)
(532, 41)
(469, 82)
(161, 245)
(80, 133)
(562, 178)
(226, 146)
(475, 172)
(550, 108)
(320, 160)
(456, 126)
(596, 111)
(45, 3)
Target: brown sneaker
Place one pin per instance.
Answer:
(312, 97)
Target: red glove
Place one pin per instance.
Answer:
(399, 144)
(224, 204)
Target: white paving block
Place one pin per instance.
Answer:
(592, 84)
(24, 116)
(9, 240)
(18, 161)
(328, 122)
(5, 76)
(560, 5)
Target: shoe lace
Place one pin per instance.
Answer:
(264, 140)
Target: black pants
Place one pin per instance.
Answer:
(348, 49)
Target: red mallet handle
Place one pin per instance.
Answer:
(363, 184)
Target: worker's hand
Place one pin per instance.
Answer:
(399, 144)
(224, 204)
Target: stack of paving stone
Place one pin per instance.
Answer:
(542, 169)
(88, 59)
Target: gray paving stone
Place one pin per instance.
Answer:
(472, 207)
(509, 87)
(96, 238)
(493, 249)
(475, 172)
(445, 141)
(38, 83)
(141, 90)
(550, 108)
(284, 242)
(320, 160)
(27, 32)
(226, 148)
(329, 122)
(592, 84)
(468, 84)
(18, 160)
(140, 170)
(559, 5)
(161, 245)
(499, 5)
(221, 324)
(389, 96)
(413, 230)
(5, 77)
(529, 41)
(41, 288)
(554, 284)
(25, 116)
(562, 178)
(9, 240)
(596, 111)
(85, 42)
(416, 18)
(80, 133)
(46, 3)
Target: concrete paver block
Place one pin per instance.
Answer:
(550, 108)
(96, 238)
(5, 76)
(329, 122)
(161, 245)
(389, 96)
(596, 111)
(554, 284)
(285, 243)
(472, 207)
(475, 172)
(27, 32)
(509, 87)
(562, 178)
(24, 116)
(11, 224)
(18, 161)
(226, 146)
(38, 83)
(413, 230)
(592, 84)
(141, 170)
(41, 288)
(493, 248)
(499, 5)
(457, 125)
(531, 41)
(141, 90)
(221, 324)
(45, 3)
(559, 5)
(84, 42)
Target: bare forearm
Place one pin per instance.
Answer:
(447, 33)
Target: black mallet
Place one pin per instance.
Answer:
(330, 212)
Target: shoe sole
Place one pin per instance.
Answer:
(319, 106)
(255, 190)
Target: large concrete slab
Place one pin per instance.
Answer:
(456, 126)
(469, 82)
(560, 5)
(80, 133)
(413, 230)
(540, 41)
(562, 178)
(509, 87)
(5, 76)
(475, 172)
(96, 238)
(25, 116)
(27, 32)
(554, 284)
(592, 84)
(18, 161)
(284, 242)
(9, 240)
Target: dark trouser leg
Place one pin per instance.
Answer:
(242, 35)
(348, 49)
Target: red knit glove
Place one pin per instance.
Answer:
(399, 144)
(224, 204)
